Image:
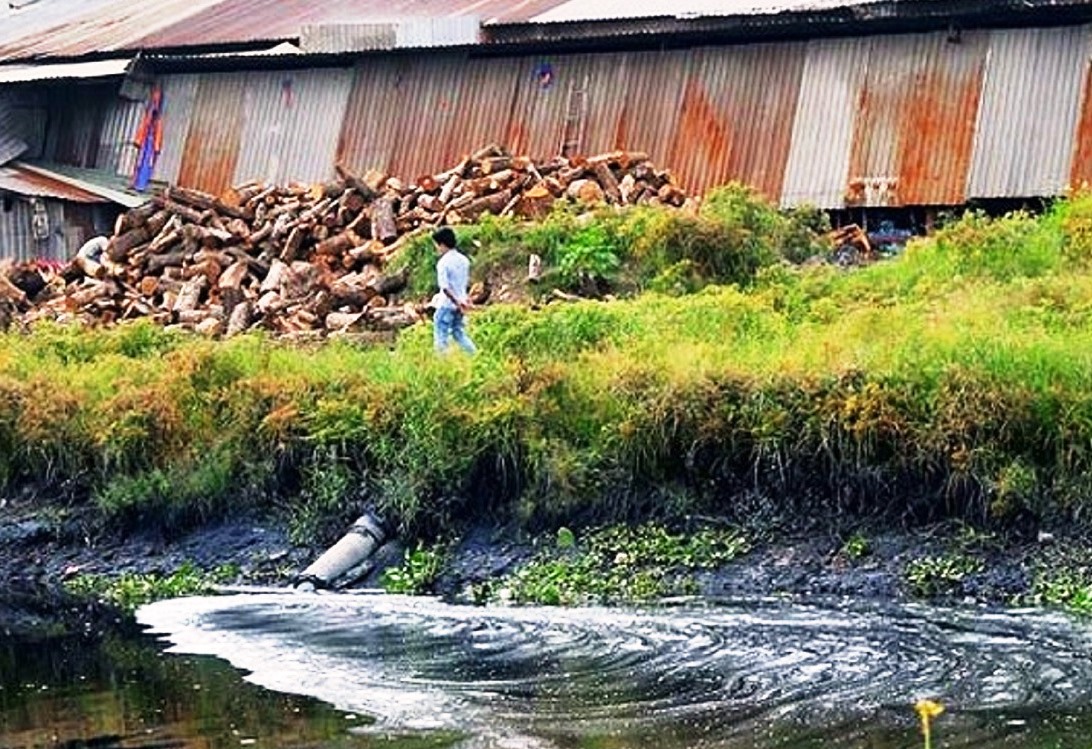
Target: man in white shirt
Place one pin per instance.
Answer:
(452, 302)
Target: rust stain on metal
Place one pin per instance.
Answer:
(1080, 175)
(235, 21)
(212, 143)
(14, 179)
(702, 137)
(914, 130)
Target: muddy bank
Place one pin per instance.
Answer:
(42, 547)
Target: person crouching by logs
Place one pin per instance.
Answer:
(452, 301)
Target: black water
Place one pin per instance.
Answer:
(375, 670)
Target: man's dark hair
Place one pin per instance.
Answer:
(445, 235)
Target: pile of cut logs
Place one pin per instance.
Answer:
(305, 260)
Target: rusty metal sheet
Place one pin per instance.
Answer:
(291, 121)
(90, 26)
(179, 99)
(411, 116)
(481, 111)
(370, 129)
(1029, 113)
(736, 116)
(652, 101)
(915, 120)
(211, 150)
(1080, 171)
(237, 21)
(598, 10)
(822, 134)
(32, 184)
(586, 106)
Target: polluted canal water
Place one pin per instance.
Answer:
(326, 670)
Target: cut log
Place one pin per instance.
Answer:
(118, 248)
(383, 224)
(191, 293)
(585, 191)
(278, 270)
(240, 319)
(608, 182)
(338, 244)
(158, 263)
(535, 203)
(342, 320)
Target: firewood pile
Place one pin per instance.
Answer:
(305, 260)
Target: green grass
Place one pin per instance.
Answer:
(950, 382)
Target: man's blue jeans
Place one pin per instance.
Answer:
(449, 323)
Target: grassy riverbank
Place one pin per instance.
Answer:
(949, 382)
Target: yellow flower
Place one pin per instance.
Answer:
(927, 710)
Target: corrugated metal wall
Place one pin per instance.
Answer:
(822, 137)
(736, 121)
(17, 240)
(290, 125)
(1028, 119)
(914, 119)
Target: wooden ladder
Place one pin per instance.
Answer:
(576, 119)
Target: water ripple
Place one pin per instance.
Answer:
(710, 672)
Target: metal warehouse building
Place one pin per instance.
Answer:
(835, 103)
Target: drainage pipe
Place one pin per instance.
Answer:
(364, 536)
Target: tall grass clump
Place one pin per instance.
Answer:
(948, 382)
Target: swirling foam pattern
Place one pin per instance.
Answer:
(754, 673)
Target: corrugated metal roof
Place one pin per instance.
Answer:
(241, 21)
(21, 181)
(73, 28)
(400, 33)
(64, 70)
(602, 10)
(106, 185)
(1028, 118)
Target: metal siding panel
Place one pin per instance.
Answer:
(116, 152)
(737, 114)
(653, 100)
(1028, 117)
(915, 120)
(17, 240)
(12, 143)
(179, 98)
(822, 134)
(369, 131)
(211, 152)
(291, 122)
(1080, 173)
(427, 114)
(606, 101)
(76, 122)
(938, 132)
(540, 112)
(483, 111)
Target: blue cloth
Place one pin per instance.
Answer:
(453, 275)
(449, 323)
